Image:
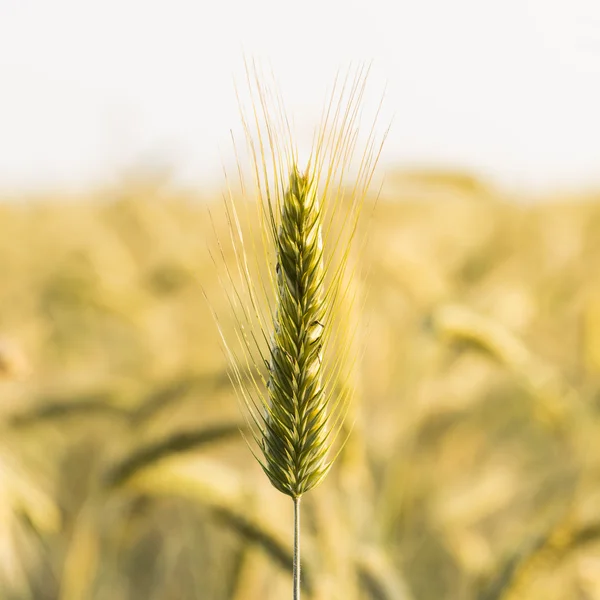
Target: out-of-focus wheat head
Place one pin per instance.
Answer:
(13, 363)
(290, 353)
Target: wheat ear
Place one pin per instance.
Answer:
(295, 436)
(289, 320)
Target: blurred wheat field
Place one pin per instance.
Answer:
(471, 472)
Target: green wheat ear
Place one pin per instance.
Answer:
(290, 353)
(295, 434)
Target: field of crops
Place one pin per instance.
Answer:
(471, 472)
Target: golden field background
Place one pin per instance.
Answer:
(472, 470)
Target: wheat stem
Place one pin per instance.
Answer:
(296, 567)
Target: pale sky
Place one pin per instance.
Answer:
(506, 88)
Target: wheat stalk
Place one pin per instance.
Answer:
(288, 321)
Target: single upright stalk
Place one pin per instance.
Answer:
(296, 417)
(296, 573)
